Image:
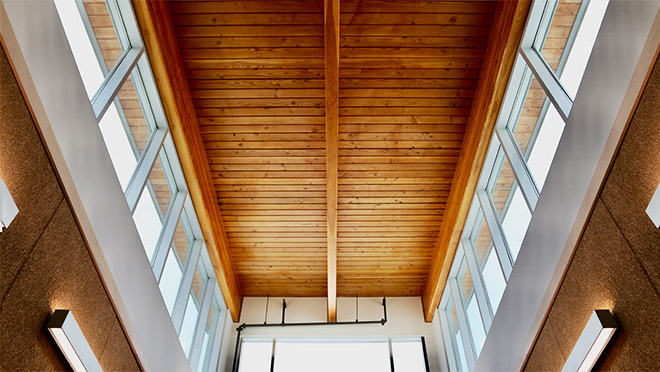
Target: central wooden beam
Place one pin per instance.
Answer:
(331, 31)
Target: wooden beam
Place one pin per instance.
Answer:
(331, 31)
(503, 44)
(161, 45)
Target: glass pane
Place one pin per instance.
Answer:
(126, 130)
(120, 149)
(209, 334)
(199, 282)
(576, 61)
(170, 280)
(104, 31)
(536, 127)
(525, 116)
(92, 38)
(456, 337)
(135, 111)
(332, 356)
(488, 261)
(159, 183)
(148, 222)
(552, 38)
(183, 237)
(469, 298)
(408, 356)
(509, 203)
(255, 356)
(464, 280)
(493, 280)
(545, 146)
(188, 326)
(152, 206)
(205, 344)
(567, 43)
(476, 325)
(481, 239)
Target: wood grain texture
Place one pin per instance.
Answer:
(505, 36)
(387, 121)
(161, 44)
(331, 29)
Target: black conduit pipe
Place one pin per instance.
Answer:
(243, 326)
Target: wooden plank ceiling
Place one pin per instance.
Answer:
(407, 77)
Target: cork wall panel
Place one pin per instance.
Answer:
(45, 263)
(616, 265)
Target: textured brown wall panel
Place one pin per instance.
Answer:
(617, 262)
(45, 262)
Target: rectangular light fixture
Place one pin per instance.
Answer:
(8, 209)
(64, 329)
(653, 209)
(592, 342)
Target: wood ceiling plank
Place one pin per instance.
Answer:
(392, 41)
(161, 44)
(399, 70)
(205, 72)
(506, 33)
(418, 6)
(331, 35)
(271, 6)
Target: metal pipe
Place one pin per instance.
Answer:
(426, 356)
(234, 367)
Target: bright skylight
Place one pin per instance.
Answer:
(81, 46)
(332, 356)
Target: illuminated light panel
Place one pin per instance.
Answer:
(66, 332)
(8, 209)
(653, 210)
(593, 340)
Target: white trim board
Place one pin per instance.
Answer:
(616, 73)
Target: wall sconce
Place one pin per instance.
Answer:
(8, 209)
(64, 329)
(653, 209)
(592, 342)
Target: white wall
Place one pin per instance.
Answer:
(405, 318)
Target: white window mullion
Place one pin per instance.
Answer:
(449, 345)
(520, 169)
(462, 323)
(211, 360)
(496, 232)
(202, 318)
(549, 81)
(143, 168)
(186, 285)
(115, 80)
(477, 282)
(167, 233)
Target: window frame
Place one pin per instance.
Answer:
(503, 143)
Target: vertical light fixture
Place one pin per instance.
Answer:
(8, 209)
(592, 342)
(653, 209)
(66, 332)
